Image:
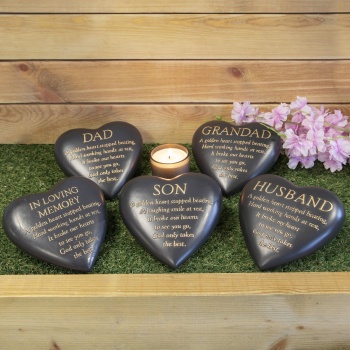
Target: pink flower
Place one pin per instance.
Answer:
(299, 110)
(339, 150)
(337, 119)
(295, 122)
(317, 139)
(332, 165)
(276, 117)
(280, 115)
(308, 133)
(296, 145)
(334, 123)
(307, 110)
(306, 162)
(293, 162)
(337, 154)
(313, 122)
(266, 118)
(299, 103)
(320, 112)
(332, 133)
(243, 112)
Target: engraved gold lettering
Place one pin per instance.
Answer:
(265, 134)
(62, 194)
(56, 207)
(224, 131)
(313, 202)
(254, 133)
(216, 130)
(234, 131)
(244, 132)
(169, 189)
(34, 205)
(271, 191)
(105, 135)
(280, 193)
(258, 185)
(289, 194)
(206, 130)
(301, 198)
(325, 203)
(156, 188)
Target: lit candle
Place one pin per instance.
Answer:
(170, 160)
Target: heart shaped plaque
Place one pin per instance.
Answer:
(108, 156)
(171, 218)
(234, 154)
(282, 222)
(64, 226)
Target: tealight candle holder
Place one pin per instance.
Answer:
(170, 160)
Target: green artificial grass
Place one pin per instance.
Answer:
(27, 169)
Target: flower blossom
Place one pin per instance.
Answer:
(308, 133)
(299, 103)
(339, 150)
(337, 119)
(317, 139)
(277, 116)
(243, 112)
(306, 162)
(336, 155)
(296, 145)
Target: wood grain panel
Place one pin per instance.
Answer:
(42, 124)
(174, 36)
(303, 322)
(177, 284)
(304, 311)
(174, 81)
(265, 51)
(170, 6)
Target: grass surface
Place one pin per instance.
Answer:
(29, 169)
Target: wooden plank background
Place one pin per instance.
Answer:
(184, 311)
(167, 67)
(179, 6)
(175, 36)
(164, 66)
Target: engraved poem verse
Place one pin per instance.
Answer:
(172, 214)
(101, 158)
(282, 214)
(231, 148)
(66, 221)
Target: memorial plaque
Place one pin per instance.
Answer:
(171, 218)
(64, 226)
(234, 154)
(282, 222)
(109, 156)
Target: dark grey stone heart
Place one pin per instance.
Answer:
(64, 226)
(171, 218)
(109, 155)
(234, 154)
(282, 222)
